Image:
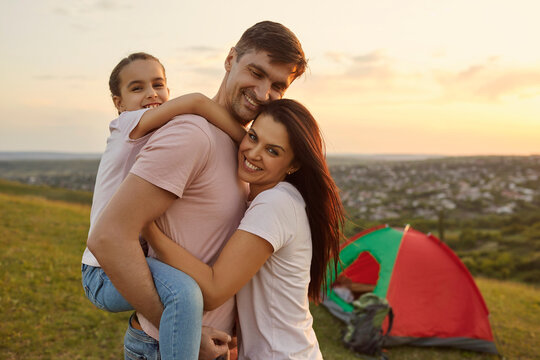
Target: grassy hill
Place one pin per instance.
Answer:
(46, 315)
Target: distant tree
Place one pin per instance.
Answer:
(467, 239)
(440, 223)
(532, 232)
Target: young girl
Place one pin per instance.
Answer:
(277, 258)
(139, 92)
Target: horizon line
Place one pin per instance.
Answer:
(333, 154)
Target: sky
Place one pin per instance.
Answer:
(385, 77)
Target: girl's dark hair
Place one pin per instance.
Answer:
(321, 195)
(280, 43)
(114, 79)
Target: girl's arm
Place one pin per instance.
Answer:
(189, 104)
(242, 257)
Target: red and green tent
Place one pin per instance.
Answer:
(433, 296)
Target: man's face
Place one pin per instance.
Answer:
(252, 81)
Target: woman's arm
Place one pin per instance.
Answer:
(239, 261)
(189, 104)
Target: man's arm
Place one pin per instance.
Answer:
(114, 241)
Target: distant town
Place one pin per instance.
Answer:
(465, 186)
(372, 187)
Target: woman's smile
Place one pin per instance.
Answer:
(249, 165)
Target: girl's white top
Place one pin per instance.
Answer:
(273, 307)
(116, 161)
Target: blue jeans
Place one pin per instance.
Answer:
(181, 321)
(140, 346)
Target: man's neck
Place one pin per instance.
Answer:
(221, 99)
(220, 95)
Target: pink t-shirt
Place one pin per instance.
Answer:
(197, 162)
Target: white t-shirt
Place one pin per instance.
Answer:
(273, 307)
(116, 161)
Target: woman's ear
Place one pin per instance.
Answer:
(294, 168)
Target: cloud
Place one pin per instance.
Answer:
(201, 49)
(107, 5)
(515, 81)
(374, 66)
(209, 71)
(370, 58)
(61, 11)
(45, 77)
(489, 81)
(84, 7)
(50, 77)
(81, 14)
(198, 58)
(475, 70)
(336, 57)
(353, 78)
(374, 58)
(375, 77)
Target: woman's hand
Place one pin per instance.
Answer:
(156, 238)
(150, 231)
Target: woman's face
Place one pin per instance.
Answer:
(265, 155)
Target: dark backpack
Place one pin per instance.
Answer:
(364, 333)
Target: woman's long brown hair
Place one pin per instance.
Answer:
(321, 195)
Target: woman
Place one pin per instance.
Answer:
(277, 258)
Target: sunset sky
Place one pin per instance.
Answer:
(455, 77)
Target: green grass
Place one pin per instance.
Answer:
(47, 192)
(45, 314)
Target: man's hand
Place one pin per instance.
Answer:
(214, 343)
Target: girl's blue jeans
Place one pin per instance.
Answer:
(181, 322)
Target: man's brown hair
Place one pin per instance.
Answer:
(280, 43)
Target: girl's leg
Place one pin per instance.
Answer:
(181, 322)
(100, 290)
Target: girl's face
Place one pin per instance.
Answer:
(142, 85)
(265, 155)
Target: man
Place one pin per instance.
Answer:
(185, 177)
